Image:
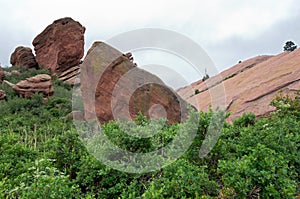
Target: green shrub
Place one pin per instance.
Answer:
(181, 180)
(245, 120)
(43, 181)
(42, 156)
(262, 169)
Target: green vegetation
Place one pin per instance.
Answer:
(41, 155)
(289, 46)
(205, 77)
(230, 76)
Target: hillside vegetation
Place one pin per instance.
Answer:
(41, 155)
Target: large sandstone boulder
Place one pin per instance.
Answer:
(249, 86)
(41, 83)
(23, 57)
(60, 46)
(114, 88)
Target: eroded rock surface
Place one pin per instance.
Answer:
(70, 76)
(23, 58)
(41, 83)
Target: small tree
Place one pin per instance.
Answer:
(289, 46)
(205, 77)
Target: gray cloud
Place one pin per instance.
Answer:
(270, 42)
(212, 24)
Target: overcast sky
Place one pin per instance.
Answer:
(228, 30)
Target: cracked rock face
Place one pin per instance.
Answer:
(60, 46)
(249, 86)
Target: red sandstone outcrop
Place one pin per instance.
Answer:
(249, 86)
(41, 83)
(60, 46)
(70, 76)
(114, 88)
(23, 57)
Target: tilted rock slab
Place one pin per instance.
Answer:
(249, 86)
(113, 88)
(70, 76)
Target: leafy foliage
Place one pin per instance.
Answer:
(41, 155)
(289, 46)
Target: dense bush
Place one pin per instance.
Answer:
(182, 180)
(42, 155)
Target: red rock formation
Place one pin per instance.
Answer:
(23, 57)
(249, 86)
(60, 46)
(70, 76)
(114, 88)
(37, 84)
